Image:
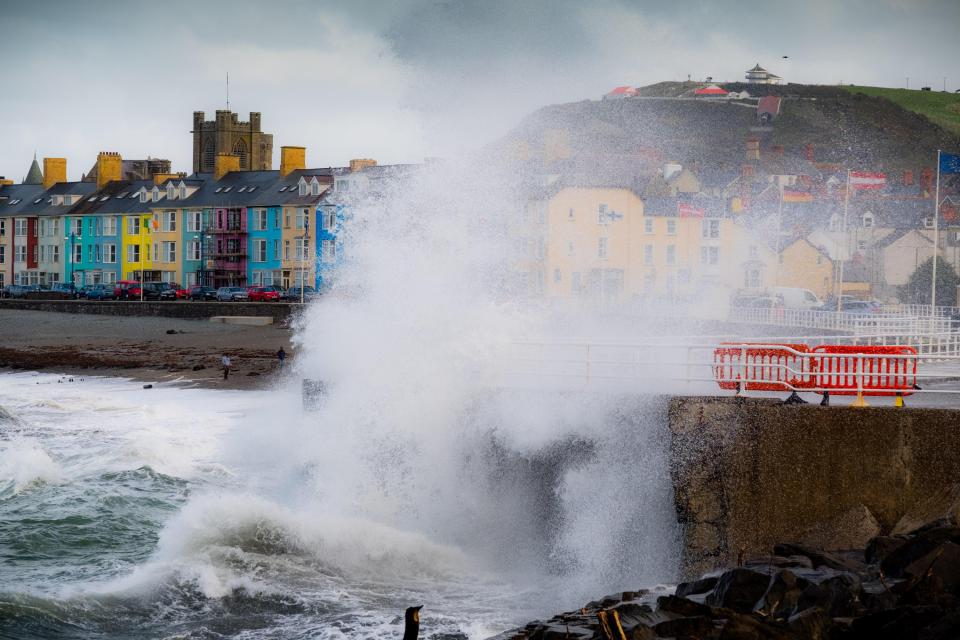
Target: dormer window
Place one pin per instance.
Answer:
(144, 196)
(315, 187)
(928, 223)
(302, 187)
(156, 194)
(183, 191)
(171, 192)
(868, 220)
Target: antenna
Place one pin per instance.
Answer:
(228, 91)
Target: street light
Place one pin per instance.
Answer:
(72, 238)
(201, 268)
(303, 253)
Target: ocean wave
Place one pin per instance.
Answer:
(23, 464)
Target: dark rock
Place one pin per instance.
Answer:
(682, 606)
(817, 558)
(790, 562)
(899, 559)
(148, 386)
(171, 332)
(605, 602)
(838, 595)
(782, 595)
(253, 373)
(882, 546)
(697, 586)
(199, 367)
(947, 628)
(900, 623)
(739, 589)
(812, 624)
(699, 627)
(562, 632)
(741, 627)
(632, 614)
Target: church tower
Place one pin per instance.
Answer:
(226, 134)
(34, 176)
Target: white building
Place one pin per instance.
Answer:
(759, 75)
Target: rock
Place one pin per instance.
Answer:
(817, 558)
(852, 529)
(171, 332)
(943, 506)
(839, 596)
(697, 586)
(812, 624)
(148, 386)
(739, 589)
(253, 373)
(920, 545)
(881, 546)
(199, 367)
(899, 623)
(632, 614)
(682, 606)
(782, 595)
(741, 627)
(947, 628)
(699, 627)
(790, 562)
(934, 578)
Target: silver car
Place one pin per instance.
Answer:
(232, 294)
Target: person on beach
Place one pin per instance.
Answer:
(225, 360)
(281, 356)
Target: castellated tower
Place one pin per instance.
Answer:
(227, 135)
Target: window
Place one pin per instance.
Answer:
(56, 253)
(169, 220)
(193, 250)
(861, 245)
(671, 254)
(98, 253)
(3, 227)
(329, 220)
(648, 225)
(171, 192)
(276, 249)
(194, 220)
(602, 214)
(570, 215)
(20, 254)
(276, 218)
(868, 220)
(133, 253)
(557, 275)
(78, 253)
(753, 252)
(709, 255)
(286, 249)
(314, 188)
(286, 218)
(671, 227)
(648, 254)
(302, 249)
(169, 251)
(110, 253)
(302, 187)
(328, 251)
(110, 225)
(260, 250)
(20, 227)
(259, 219)
(133, 225)
(711, 228)
(752, 279)
(109, 277)
(3, 254)
(602, 248)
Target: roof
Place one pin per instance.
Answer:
(623, 91)
(712, 90)
(42, 203)
(117, 197)
(757, 67)
(15, 197)
(34, 175)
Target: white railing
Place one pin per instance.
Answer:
(921, 310)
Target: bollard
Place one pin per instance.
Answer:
(898, 402)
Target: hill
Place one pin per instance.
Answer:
(850, 128)
(939, 107)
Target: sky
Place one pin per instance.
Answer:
(404, 80)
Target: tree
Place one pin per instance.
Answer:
(917, 289)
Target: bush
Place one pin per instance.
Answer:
(917, 289)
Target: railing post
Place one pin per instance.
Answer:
(859, 402)
(743, 370)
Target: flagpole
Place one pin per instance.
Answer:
(936, 240)
(776, 263)
(846, 208)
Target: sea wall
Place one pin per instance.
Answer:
(749, 473)
(180, 309)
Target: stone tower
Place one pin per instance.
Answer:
(227, 135)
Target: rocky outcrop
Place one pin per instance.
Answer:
(898, 588)
(750, 472)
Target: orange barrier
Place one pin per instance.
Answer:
(828, 369)
(848, 370)
(762, 367)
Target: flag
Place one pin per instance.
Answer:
(949, 163)
(793, 195)
(867, 180)
(687, 210)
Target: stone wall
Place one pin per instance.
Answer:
(750, 473)
(182, 309)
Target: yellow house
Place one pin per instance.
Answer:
(166, 252)
(136, 245)
(804, 265)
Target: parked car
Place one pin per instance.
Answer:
(294, 294)
(202, 293)
(64, 290)
(232, 294)
(100, 292)
(153, 290)
(127, 290)
(859, 307)
(264, 294)
(15, 291)
(798, 298)
(172, 291)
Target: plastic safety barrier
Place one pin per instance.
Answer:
(833, 369)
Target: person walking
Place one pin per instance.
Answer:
(281, 356)
(225, 361)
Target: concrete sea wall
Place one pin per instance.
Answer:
(751, 473)
(182, 309)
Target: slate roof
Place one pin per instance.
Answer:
(118, 197)
(41, 204)
(16, 197)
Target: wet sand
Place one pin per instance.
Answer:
(141, 348)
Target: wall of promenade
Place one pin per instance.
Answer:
(749, 474)
(180, 309)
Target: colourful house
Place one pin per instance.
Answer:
(802, 264)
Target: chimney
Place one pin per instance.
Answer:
(160, 178)
(54, 171)
(109, 168)
(778, 150)
(4, 181)
(753, 149)
(224, 163)
(926, 177)
(808, 152)
(359, 164)
(292, 159)
(907, 177)
(746, 171)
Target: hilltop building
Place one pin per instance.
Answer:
(134, 170)
(759, 75)
(226, 135)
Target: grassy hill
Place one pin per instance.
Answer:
(939, 107)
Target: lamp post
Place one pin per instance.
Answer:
(201, 267)
(303, 253)
(73, 237)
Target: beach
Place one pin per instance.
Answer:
(151, 349)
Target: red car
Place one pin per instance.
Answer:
(263, 294)
(127, 290)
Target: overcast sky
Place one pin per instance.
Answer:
(400, 80)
